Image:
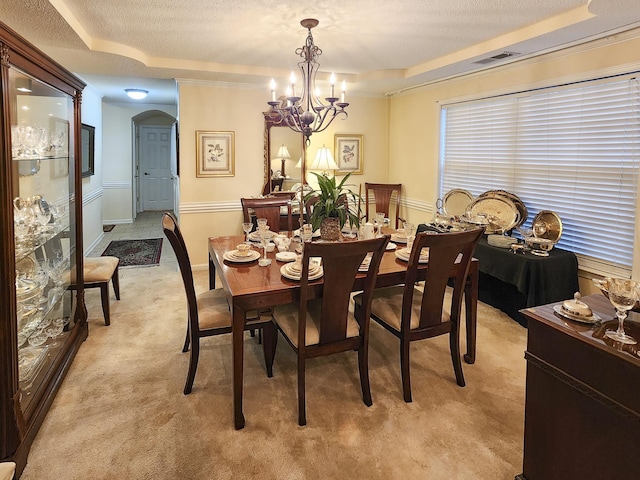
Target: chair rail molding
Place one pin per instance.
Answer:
(210, 207)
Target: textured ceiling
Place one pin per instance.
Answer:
(378, 46)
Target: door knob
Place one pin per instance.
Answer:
(146, 173)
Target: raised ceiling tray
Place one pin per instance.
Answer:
(522, 209)
(456, 201)
(547, 224)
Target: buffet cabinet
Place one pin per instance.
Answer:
(42, 311)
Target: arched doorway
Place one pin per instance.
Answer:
(155, 165)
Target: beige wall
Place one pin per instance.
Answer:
(211, 206)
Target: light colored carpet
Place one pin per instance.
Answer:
(120, 412)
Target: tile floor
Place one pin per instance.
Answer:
(146, 225)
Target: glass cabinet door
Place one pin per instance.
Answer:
(42, 139)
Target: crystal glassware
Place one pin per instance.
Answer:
(265, 237)
(378, 223)
(246, 228)
(622, 295)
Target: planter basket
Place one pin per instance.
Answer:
(330, 229)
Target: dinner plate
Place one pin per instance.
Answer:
(397, 239)
(286, 256)
(391, 246)
(232, 256)
(255, 236)
(293, 274)
(404, 254)
(316, 234)
(594, 318)
(456, 201)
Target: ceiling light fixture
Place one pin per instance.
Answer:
(307, 114)
(136, 93)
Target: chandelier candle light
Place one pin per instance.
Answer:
(307, 114)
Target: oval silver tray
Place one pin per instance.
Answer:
(499, 210)
(456, 201)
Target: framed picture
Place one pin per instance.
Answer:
(88, 142)
(215, 153)
(348, 153)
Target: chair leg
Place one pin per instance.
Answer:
(193, 365)
(115, 279)
(302, 410)
(187, 339)
(363, 364)
(104, 295)
(454, 346)
(269, 346)
(404, 365)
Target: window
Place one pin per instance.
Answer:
(573, 150)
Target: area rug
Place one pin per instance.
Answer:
(139, 253)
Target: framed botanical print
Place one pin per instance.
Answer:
(348, 153)
(215, 153)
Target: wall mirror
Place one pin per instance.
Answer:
(276, 135)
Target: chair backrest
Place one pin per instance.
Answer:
(269, 208)
(382, 193)
(340, 262)
(445, 250)
(173, 234)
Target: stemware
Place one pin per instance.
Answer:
(246, 228)
(378, 222)
(410, 232)
(622, 295)
(265, 237)
(526, 234)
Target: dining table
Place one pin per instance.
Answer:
(249, 286)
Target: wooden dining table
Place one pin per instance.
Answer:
(249, 286)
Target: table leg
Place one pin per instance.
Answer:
(471, 309)
(237, 333)
(212, 274)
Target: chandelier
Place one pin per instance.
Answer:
(307, 113)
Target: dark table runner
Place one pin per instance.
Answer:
(512, 281)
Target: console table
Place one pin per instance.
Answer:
(582, 409)
(513, 281)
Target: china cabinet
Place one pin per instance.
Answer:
(42, 319)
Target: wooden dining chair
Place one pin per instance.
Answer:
(411, 314)
(321, 323)
(269, 208)
(382, 193)
(208, 312)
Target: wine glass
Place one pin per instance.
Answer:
(526, 234)
(265, 237)
(378, 222)
(622, 295)
(246, 228)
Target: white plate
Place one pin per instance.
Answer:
(287, 273)
(594, 318)
(232, 256)
(316, 234)
(398, 239)
(391, 246)
(286, 256)
(255, 236)
(403, 254)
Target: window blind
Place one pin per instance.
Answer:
(572, 150)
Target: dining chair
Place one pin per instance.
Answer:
(412, 314)
(269, 208)
(208, 312)
(382, 193)
(321, 323)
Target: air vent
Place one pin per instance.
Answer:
(495, 58)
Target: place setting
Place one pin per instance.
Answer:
(242, 254)
(293, 270)
(404, 254)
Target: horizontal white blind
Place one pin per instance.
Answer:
(574, 151)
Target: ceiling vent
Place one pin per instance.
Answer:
(495, 58)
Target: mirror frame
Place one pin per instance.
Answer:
(269, 123)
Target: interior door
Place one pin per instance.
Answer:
(156, 183)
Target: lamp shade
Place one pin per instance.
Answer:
(324, 160)
(283, 153)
